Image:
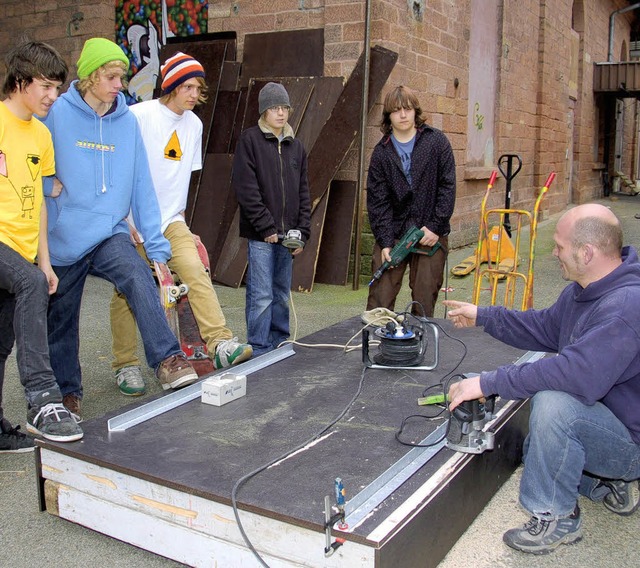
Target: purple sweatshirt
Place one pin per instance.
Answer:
(596, 334)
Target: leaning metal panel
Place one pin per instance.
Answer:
(163, 404)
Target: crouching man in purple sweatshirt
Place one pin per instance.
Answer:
(584, 429)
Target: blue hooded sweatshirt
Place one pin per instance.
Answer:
(102, 164)
(596, 333)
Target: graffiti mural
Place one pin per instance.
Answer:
(143, 26)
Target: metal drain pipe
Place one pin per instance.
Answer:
(363, 139)
(612, 18)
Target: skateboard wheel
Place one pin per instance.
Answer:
(183, 289)
(174, 291)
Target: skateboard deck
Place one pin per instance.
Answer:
(175, 301)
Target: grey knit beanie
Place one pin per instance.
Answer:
(272, 94)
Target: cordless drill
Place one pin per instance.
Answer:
(404, 247)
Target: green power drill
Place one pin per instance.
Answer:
(404, 247)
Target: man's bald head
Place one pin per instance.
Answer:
(596, 225)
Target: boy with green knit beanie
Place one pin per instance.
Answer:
(103, 176)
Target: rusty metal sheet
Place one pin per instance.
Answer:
(323, 98)
(230, 76)
(237, 130)
(223, 123)
(293, 53)
(335, 249)
(304, 265)
(339, 132)
(232, 262)
(210, 216)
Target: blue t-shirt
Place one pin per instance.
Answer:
(404, 150)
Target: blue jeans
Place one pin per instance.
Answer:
(570, 447)
(267, 305)
(117, 261)
(24, 296)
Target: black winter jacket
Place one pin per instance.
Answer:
(270, 182)
(393, 205)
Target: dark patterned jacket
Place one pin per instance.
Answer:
(393, 205)
(270, 182)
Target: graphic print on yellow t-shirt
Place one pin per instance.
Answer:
(26, 155)
(33, 162)
(27, 193)
(172, 150)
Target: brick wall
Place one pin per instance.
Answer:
(50, 21)
(540, 114)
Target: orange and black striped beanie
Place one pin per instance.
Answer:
(177, 69)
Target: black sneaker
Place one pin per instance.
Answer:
(12, 441)
(624, 497)
(54, 422)
(540, 536)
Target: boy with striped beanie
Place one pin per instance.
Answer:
(172, 136)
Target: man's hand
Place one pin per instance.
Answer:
(462, 314)
(271, 238)
(429, 239)
(467, 389)
(386, 257)
(297, 251)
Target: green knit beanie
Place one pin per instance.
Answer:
(96, 52)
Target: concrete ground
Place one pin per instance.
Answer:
(29, 538)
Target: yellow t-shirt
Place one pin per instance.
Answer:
(26, 154)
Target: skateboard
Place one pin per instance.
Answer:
(175, 302)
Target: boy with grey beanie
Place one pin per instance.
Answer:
(270, 182)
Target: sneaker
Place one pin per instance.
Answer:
(230, 352)
(72, 403)
(12, 441)
(54, 422)
(176, 372)
(624, 497)
(540, 536)
(130, 381)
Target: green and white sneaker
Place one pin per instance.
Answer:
(130, 381)
(540, 536)
(230, 352)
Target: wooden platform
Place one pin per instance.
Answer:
(165, 484)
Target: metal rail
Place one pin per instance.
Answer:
(170, 401)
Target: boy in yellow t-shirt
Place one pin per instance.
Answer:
(34, 74)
